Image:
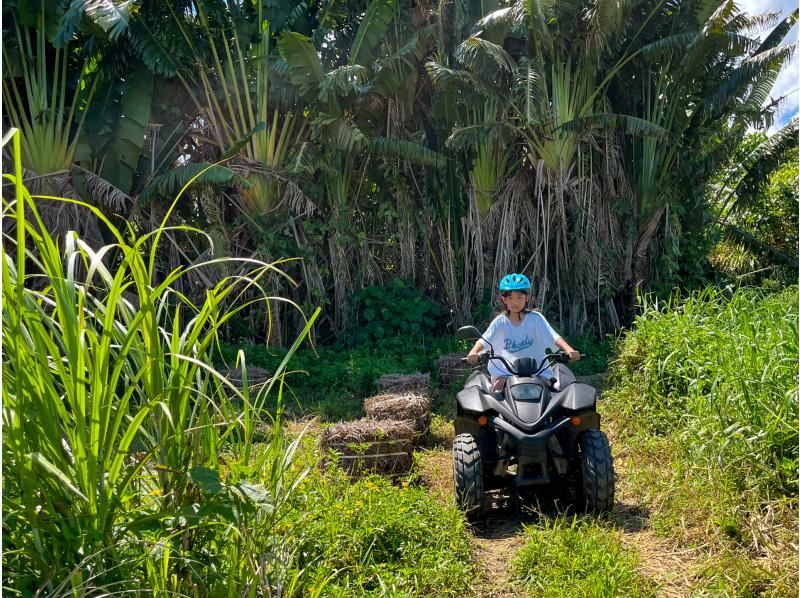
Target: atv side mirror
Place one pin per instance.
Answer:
(468, 332)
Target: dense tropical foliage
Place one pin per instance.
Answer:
(441, 143)
(196, 171)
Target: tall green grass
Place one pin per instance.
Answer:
(704, 396)
(125, 463)
(131, 466)
(571, 557)
(721, 370)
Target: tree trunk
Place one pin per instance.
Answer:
(639, 270)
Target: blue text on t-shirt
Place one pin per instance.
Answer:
(513, 347)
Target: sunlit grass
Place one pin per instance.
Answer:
(703, 396)
(571, 557)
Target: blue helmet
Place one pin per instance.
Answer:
(515, 282)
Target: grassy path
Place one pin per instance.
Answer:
(495, 542)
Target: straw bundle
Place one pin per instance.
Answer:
(451, 369)
(414, 408)
(418, 383)
(369, 446)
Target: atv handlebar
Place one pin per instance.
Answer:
(549, 358)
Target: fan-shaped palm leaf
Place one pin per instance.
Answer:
(175, 179)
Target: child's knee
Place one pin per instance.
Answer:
(499, 384)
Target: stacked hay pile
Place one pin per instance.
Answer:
(370, 446)
(383, 441)
(418, 383)
(411, 407)
(451, 369)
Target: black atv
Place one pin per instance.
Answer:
(533, 432)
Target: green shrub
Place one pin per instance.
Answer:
(375, 538)
(332, 383)
(394, 310)
(577, 557)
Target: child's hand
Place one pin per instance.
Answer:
(472, 358)
(573, 355)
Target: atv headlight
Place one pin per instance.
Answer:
(526, 392)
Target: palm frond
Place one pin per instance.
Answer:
(671, 44)
(747, 73)
(753, 172)
(463, 138)
(152, 52)
(472, 47)
(777, 35)
(443, 77)
(406, 150)
(305, 67)
(105, 194)
(340, 132)
(377, 18)
(112, 16)
(630, 124)
(500, 19)
(343, 81)
(170, 182)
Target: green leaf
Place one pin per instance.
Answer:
(372, 30)
(369, 314)
(305, 67)
(406, 150)
(206, 479)
(175, 179)
(59, 475)
(240, 143)
(255, 493)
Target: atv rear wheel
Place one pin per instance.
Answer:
(596, 473)
(468, 476)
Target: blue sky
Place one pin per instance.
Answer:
(789, 78)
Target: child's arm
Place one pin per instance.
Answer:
(472, 356)
(565, 346)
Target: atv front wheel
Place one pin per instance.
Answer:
(596, 475)
(468, 476)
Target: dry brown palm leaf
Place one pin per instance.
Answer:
(105, 194)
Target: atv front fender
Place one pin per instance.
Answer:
(577, 396)
(472, 400)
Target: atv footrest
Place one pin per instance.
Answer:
(532, 474)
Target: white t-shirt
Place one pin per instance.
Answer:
(528, 339)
